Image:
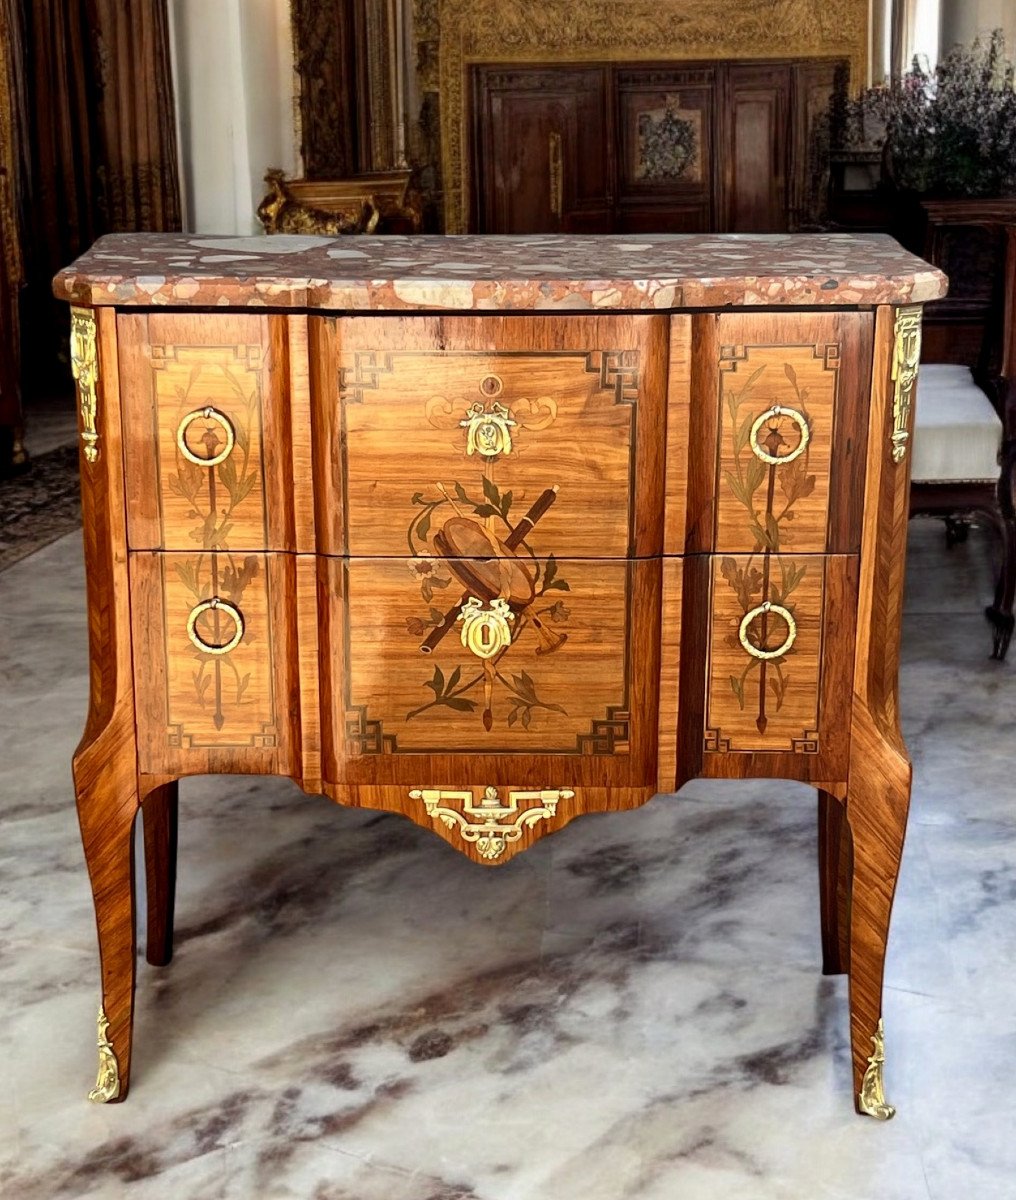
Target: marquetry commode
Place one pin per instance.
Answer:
(492, 532)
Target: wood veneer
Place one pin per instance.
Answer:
(630, 530)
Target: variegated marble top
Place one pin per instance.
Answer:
(539, 271)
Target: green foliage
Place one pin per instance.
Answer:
(947, 132)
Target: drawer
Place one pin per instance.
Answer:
(779, 663)
(429, 681)
(215, 662)
(767, 433)
(419, 419)
(207, 447)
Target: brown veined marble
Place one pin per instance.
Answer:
(539, 271)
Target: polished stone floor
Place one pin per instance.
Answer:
(632, 1010)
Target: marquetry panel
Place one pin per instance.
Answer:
(570, 696)
(206, 440)
(431, 442)
(791, 395)
(765, 703)
(194, 702)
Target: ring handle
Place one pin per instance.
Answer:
(763, 609)
(216, 605)
(777, 410)
(209, 414)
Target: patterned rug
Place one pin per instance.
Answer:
(39, 505)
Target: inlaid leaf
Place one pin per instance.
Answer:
(436, 682)
(490, 490)
(743, 433)
(550, 579)
(737, 687)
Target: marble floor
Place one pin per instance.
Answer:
(632, 1009)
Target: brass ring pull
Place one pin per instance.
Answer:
(208, 414)
(215, 605)
(792, 414)
(776, 610)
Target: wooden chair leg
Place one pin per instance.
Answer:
(834, 867)
(160, 815)
(1000, 614)
(877, 804)
(106, 786)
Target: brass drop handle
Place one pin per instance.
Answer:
(556, 175)
(215, 605)
(763, 610)
(486, 631)
(776, 413)
(217, 418)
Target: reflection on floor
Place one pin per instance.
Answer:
(633, 1009)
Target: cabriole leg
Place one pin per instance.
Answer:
(877, 804)
(107, 807)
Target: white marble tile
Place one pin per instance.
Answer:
(632, 1010)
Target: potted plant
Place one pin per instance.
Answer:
(948, 132)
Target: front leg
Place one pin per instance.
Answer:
(877, 804)
(107, 796)
(105, 764)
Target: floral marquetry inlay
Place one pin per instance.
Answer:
(220, 689)
(208, 416)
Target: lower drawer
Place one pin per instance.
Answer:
(215, 662)
(767, 663)
(569, 699)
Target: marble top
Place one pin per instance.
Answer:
(539, 271)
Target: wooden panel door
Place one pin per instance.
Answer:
(666, 162)
(813, 87)
(758, 99)
(542, 150)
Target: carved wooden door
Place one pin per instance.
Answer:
(758, 100)
(542, 151)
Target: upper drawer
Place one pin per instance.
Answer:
(767, 433)
(454, 435)
(206, 400)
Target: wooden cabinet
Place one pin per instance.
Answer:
(677, 148)
(605, 516)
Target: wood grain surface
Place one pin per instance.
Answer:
(587, 480)
(175, 364)
(393, 403)
(572, 702)
(105, 762)
(879, 779)
(199, 712)
(814, 365)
